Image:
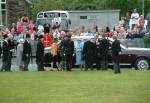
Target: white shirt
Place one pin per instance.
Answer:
(58, 20)
(40, 28)
(134, 18)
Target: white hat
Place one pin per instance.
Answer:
(21, 40)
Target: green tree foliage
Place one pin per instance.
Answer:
(123, 5)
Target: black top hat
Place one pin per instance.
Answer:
(40, 36)
(5, 36)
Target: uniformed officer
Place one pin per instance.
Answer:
(68, 49)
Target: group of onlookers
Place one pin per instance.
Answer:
(63, 49)
(24, 37)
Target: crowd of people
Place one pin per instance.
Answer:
(87, 52)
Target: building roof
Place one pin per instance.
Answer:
(93, 11)
(28, 1)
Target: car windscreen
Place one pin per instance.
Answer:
(64, 23)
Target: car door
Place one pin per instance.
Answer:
(127, 56)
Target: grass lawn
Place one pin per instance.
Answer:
(75, 87)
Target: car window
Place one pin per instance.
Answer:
(40, 15)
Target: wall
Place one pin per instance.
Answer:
(103, 18)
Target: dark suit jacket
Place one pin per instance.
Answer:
(26, 50)
(68, 47)
(40, 51)
(115, 50)
(104, 47)
(6, 50)
(89, 52)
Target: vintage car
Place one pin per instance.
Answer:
(49, 16)
(139, 58)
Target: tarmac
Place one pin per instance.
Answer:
(32, 65)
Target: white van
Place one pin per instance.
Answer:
(49, 16)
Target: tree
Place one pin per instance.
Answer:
(123, 5)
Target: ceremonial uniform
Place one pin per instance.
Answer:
(98, 55)
(47, 40)
(47, 27)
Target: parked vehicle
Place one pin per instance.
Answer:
(139, 58)
(49, 15)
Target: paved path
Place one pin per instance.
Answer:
(32, 66)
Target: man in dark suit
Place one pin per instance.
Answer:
(40, 54)
(68, 50)
(98, 51)
(26, 52)
(6, 59)
(12, 45)
(104, 53)
(89, 53)
(116, 49)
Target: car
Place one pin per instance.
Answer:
(139, 58)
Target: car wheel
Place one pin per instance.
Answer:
(141, 64)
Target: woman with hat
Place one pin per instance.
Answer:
(19, 60)
(78, 50)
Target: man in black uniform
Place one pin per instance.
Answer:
(68, 49)
(104, 52)
(26, 52)
(47, 27)
(116, 49)
(89, 52)
(6, 59)
(40, 54)
(98, 54)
